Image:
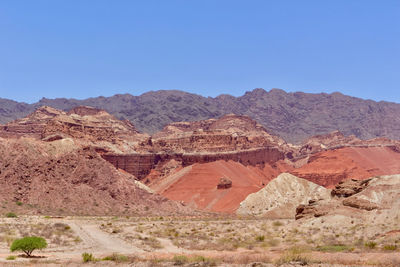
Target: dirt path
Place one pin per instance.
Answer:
(99, 241)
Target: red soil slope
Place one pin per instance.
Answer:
(196, 185)
(328, 168)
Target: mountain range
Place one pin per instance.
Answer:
(293, 116)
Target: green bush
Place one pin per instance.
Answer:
(11, 258)
(88, 257)
(260, 238)
(19, 203)
(28, 244)
(370, 245)
(11, 215)
(116, 258)
(390, 247)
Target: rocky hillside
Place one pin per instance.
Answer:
(293, 116)
(59, 177)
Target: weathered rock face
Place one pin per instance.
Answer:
(280, 197)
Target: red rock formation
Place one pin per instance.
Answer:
(81, 122)
(196, 185)
(328, 168)
(140, 164)
(236, 138)
(229, 133)
(33, 125)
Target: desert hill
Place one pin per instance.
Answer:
(60, 177)
(293, 116)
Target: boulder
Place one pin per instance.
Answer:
(224, 183)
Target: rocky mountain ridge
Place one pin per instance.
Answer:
(293, 116)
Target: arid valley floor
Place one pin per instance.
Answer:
(165, 241)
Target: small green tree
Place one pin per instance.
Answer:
(28, 244)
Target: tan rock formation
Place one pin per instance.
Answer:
(377, 199)
(281, 196)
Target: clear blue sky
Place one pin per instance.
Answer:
(83, 48)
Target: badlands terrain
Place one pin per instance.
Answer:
(216, 188)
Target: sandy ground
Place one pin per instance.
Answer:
(101, 243)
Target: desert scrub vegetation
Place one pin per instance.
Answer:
(118, 258)
(335, 248)
(204, 261)
(88, 257)
(199, 235)
(370, 244)
(390, 247)
(294, 255)
(57, 234)
(11, 215)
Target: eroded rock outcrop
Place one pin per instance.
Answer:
(358, 199)
(280, 197)
(349, 187)
(86, 123)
